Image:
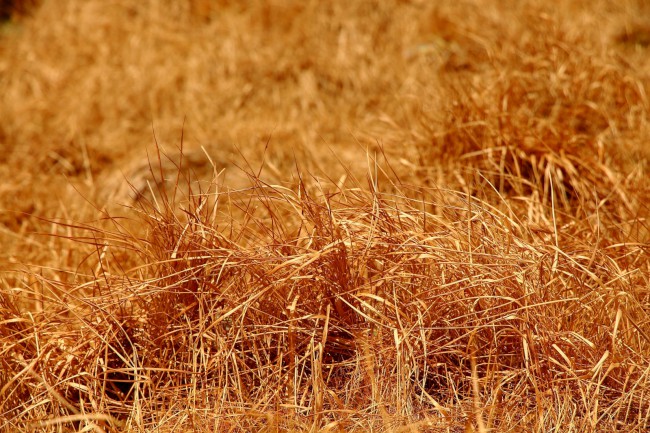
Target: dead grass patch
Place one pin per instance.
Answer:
(385, 216)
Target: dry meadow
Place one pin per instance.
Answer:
(325, 216)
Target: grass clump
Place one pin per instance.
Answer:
(545, 112)
(298, 308)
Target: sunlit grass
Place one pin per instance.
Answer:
(325, 216)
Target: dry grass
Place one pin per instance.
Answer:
(352, 216)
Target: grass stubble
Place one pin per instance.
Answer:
(484, 268)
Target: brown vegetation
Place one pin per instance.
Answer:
(325, 216)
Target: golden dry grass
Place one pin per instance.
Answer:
(325, 216)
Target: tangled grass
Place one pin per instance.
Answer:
(279, 308)
(473, 258)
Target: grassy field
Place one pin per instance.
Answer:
(337, 216)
